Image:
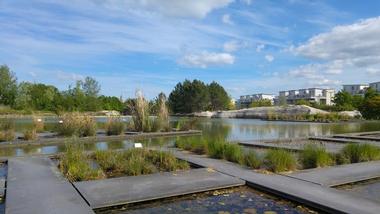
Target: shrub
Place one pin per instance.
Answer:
(115, 126)
(75, 166)
(251, 160)
(7, 130)
(75, 124)
(30, 134)
(315, 156)
(355, 153)
(279, 160)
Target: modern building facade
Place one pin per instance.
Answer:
(246, 100)
(313, 95)
(375, 86)
(356, 89)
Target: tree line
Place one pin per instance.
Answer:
(84, 95)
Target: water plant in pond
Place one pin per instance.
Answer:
(140, 113)
(197, 145)
(30, 134)
(315, 156)
(114, 126)
(355, 152)
(279, 160)
(76, 124)
(38, 124)
(162, 121)
(187, 124)
(7, 130)
(74, 164)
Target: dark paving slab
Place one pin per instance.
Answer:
(2, 187)
(34, 186)
(356, 137)
(334, 139)
(317, 196)
(338, 175)
(123, 190)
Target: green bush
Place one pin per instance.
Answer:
(252, 160)
(279, 160)
(114, 126)
(315, 156)
(355, 152)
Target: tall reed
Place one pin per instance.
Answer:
(7, 130)
(115, 126)
(140, 113)
(76, 124)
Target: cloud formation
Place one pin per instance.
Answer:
(205, 59)
(226, 19)
(269, 57)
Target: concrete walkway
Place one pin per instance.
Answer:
(34, 186)
(323, 198)
(338, 175)
(131, 189)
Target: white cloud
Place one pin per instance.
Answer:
(373, 71)
(62, 75)
(356, 44)
(226, 19)
(205, 59)
(233, 45)
(176, 8)
(260, 47)
(269, 58)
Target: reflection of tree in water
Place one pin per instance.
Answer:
(215, 128)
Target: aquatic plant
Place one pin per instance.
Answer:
(76, 124)
(251, 160)
(279, 160)
(233, 152)
(38, 124)
(197, 145)
(315, 156)
(74, 164)
(7, 130)
(187, 124)
(162, 120)
(114, 126)
(30, 134)
(355, 152)
(140, 113)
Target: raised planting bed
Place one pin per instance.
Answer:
(49, 140)
(77, 165)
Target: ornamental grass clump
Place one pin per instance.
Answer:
(315, 156)
(38, 124)
(74, 164)
(197, 145)
(162, 120)
(251, 159)
(355, 152)
(140, 114)
(279, 160)
(30, 134)
(7, 130)
(114, 126)
(76, 124)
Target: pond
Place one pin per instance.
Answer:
(237, 200)
(232, 129)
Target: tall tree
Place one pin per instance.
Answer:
(219, 99)
(8, 86)
(90, 87)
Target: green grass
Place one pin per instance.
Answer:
(197, 145)
(355, 152)
(251, 160)
(114, 126)
(279, 160)
(315, 156)
(74, 164)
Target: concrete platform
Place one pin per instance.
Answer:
(338, 175)
(323, 198)
(358, 137)
(35, 186)
(336, 140)
(131, 189)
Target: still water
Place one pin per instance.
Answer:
(232, 129)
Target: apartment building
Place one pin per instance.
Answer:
(356, 89)
(313, 95)
(246, 100)
(375, 86)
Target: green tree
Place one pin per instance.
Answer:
(219, 99)
(343, 101)
(371, 108)
(8, 86)
(90, 87)
(189, 97)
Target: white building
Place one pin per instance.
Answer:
(246, 100)
(375, 86)
(355, 89)
(313, 95)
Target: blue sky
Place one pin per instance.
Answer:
(249, 46)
